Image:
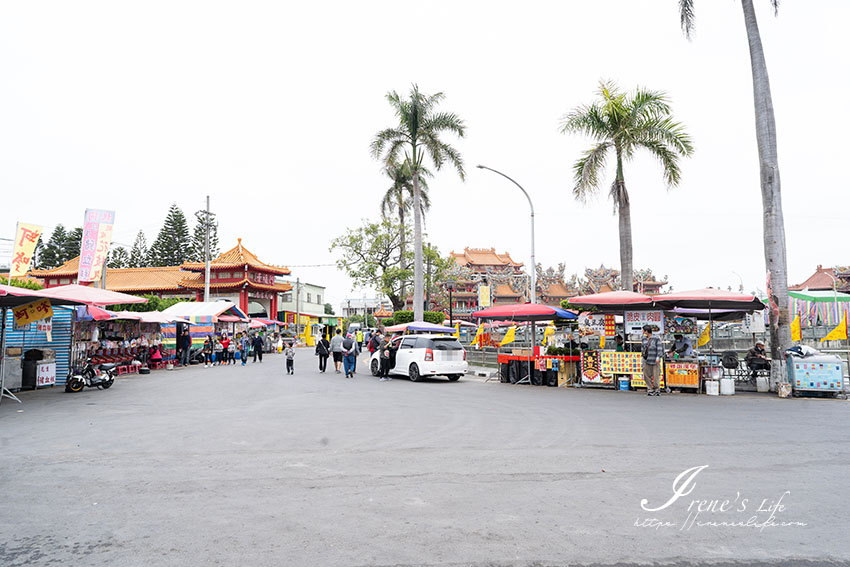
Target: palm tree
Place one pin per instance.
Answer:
(399, 199)
(417, 135)
(771, 194)
(622, 123)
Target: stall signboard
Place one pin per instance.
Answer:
(45, 326)
(611, 362)
(26, 238)
(94, 246)
(590, 370)
(682, 374)
(635, 320)
(680, 325)
(45, 374)
(483, 296)
(33, 311)
(596, 324)
(753, 323)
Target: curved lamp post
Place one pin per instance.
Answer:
(533, 263)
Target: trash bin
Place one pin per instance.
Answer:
(31, 359)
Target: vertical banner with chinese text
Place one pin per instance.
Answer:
(26, 238)
(97, 236)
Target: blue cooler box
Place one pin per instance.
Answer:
(820, 373)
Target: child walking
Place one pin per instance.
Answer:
(290, 359)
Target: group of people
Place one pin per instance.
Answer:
(222, 350)
(346, 349)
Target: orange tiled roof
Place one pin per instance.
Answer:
(504, 290)
(820, 280)
(195, 280)
(130, 280)
(237, 257)
(383, 312)
(69, 268)
(483, 257)
(558, 289)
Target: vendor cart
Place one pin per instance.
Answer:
(820, 374)
(683, 374)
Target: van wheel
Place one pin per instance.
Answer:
(413, 373)
(375, 367)
(454, 377)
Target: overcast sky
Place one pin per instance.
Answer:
(269, 107)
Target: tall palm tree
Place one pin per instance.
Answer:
(417, 135)
(621, 123)
(399, 199)
(771, 194)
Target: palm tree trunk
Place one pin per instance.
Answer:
(621, 198)
(402, 244)
(771, 195)
(418, 282)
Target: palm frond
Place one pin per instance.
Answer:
(387, 136)
(586, 171)
(669, 161)
(445, 122)
(686, 16)
(670, 133)
(586, 119)
(775, 4)
(647, 105)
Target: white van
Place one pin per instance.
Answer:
(419, 356)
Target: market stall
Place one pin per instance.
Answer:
(531, 366)
(207, 318)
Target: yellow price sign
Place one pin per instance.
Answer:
(29, 312)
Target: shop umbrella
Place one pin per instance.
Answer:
(525, 312)
(709, 298)
(613, 301)
(91, 295)
(421, 326)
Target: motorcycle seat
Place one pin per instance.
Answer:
(108, 366)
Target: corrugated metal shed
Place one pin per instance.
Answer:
(31, 338)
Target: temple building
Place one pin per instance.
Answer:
(236, 275)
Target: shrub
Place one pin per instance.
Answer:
(435, 317)
(400, 317)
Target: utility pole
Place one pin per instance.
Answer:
(297, 306)
(428, 289)
(207, 252)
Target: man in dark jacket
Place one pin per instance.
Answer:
(651, 351)
(258, 344)
(186, 348)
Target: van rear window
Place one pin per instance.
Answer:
(449, 343)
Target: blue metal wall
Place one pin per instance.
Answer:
(62, 321)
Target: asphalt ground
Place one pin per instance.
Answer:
(249, 466)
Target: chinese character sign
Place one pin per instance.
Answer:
(483, 296)
(97, 236)
(26, 237)
(29, 312)
(635, 320)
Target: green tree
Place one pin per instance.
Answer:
(172, 244)
(199, 237)
(118, 258)
(621, 123)
(417, 135)
(53, 252)
(329, 309)
(398, 199)
(771, 190)
(71, 245)
(139, 252)
(371, 256)
(27, 284)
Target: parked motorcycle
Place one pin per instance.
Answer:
(100, 376)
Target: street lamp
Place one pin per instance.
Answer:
(450, 285)
(533, 263)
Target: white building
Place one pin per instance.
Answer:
(363, 305)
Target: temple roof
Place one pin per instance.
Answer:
(483, 257)
(237, 257)
(822, 279)
(195, 280)
(69, 268)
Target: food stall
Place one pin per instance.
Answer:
(682, 372)
(530, 366)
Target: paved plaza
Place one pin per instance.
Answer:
(249, 466)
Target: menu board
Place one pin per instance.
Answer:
(611, 362)
(635, 320)
(680, 325)
(683, 374)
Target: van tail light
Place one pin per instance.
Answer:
(429, 355)
(464, 354)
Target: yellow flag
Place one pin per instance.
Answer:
(509, 336)
(477, 335)
(550, 330)
(838, 333)
(796, 329)
(705, 336)
(26, 238)
(457, 330)
(602, 341)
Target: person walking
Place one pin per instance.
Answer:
(374, 341)
(245, 346)
(289, 352)
(217, 352)
(231, 351)
(225, 354)
(207, 350)
(358, 336)
(349, 356)
(336, 349)
(186, 345)
(651, 351)
(323, 350)
(356, 354)
(384, 351)
(258, 345)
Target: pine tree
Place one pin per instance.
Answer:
(118, 258)
(198, 238)
(172, 244)
(52, 254)
(71, 245)
(139, 252)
